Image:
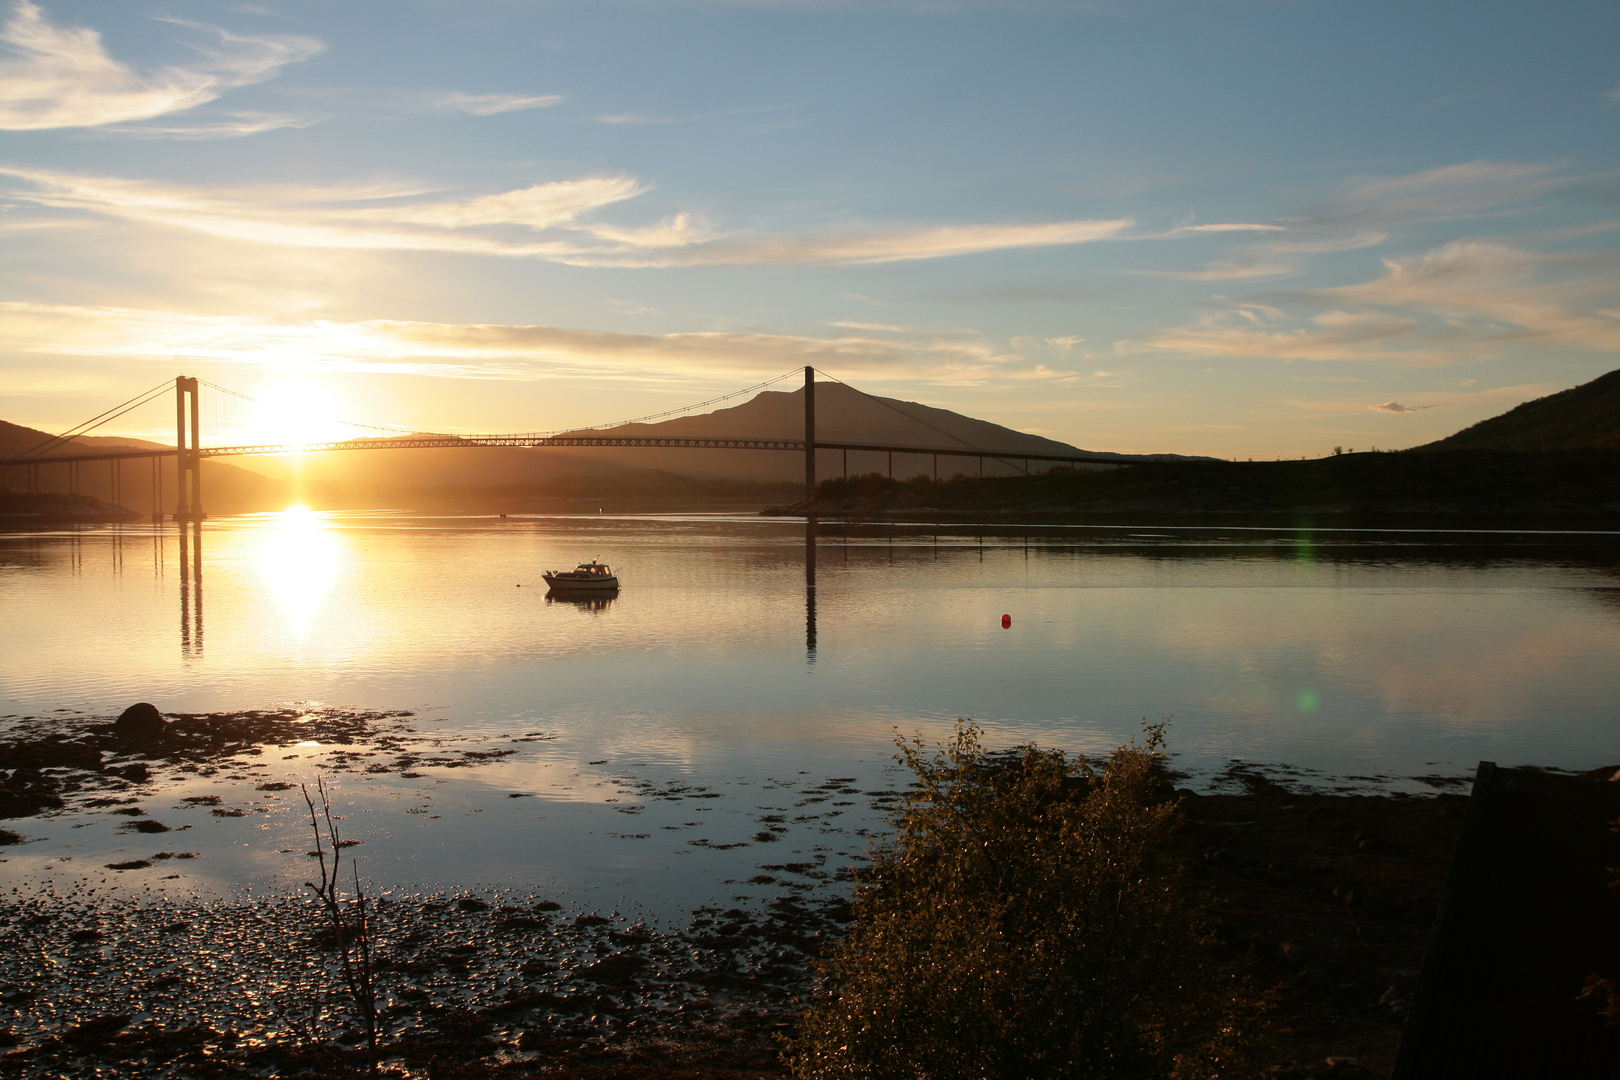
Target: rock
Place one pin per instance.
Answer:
(140, 721)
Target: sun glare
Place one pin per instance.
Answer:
(300, 560)
(292, 409)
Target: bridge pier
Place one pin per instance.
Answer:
(809, 433)
(188, 462)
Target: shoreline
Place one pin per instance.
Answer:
(1325, 898)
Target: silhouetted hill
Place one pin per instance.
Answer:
(227, 489)
(1585, 417)
(842, 415)
(1483, 484)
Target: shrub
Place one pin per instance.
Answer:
(1023, 923)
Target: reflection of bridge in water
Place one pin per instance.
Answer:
(190, 453)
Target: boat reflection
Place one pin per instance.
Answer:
(593, 602)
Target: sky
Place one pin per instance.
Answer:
(1243, 228)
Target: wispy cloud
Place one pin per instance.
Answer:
(1488, 292)
(1276, 258)
(502, 351)
(871, 327)
(1463, 300)
(491, 104)
(59, 77)
(1368, 210)
(1397, 407)
(232, 126)
(1230, 226)
(1248, 331)
(506, 223)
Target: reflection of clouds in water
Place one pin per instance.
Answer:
(300, 559)
(1467, 663)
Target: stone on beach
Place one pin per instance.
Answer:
(140, 721)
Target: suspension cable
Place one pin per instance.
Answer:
(39, 449)
(889, 405)
(540, 434)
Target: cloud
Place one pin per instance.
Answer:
(1397, 407)
(233, 126)
(491, 104)
(55, 77)
(1235, 226)
(1251, 332)
(881, 246)
(1449, 191)
(1368, 210)
(1276, 258)
(401, 217)
(1460, 301)
(503, 351)
(1490, 292)
(878, 328)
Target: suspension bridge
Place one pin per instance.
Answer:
(189, 453)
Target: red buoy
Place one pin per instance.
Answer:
(1006, 621)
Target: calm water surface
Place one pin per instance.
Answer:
(1377, 655)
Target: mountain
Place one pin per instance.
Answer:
(842, 415)
(411, 477)
(227, 489)
(1585, 417)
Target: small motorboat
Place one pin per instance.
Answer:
(586, 577)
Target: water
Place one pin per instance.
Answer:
(722, 715)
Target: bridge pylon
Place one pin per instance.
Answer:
(188, 460)
(809, 434)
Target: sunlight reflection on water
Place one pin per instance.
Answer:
(1386, 655)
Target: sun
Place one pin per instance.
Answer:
(292, 410)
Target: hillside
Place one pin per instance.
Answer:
(227, 489)
(1585, 417)
(1498, 485)
(842, 415)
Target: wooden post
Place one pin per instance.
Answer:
(809, 433)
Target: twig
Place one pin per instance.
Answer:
(353, 940)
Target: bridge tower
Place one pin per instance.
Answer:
(809, 433)
(188, 462)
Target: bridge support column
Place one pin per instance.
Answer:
(188, 463)
(809, 434)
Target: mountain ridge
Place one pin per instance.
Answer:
(1584, 417)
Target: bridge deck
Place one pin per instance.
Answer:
(426, 442)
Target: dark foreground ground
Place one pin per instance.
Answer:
(1328, 897)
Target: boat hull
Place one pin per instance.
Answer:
(583, 583)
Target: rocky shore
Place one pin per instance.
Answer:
(1325, 894)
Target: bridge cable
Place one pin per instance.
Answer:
(539, 434)
(671, 412)
(38, 450)
(996, 454)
